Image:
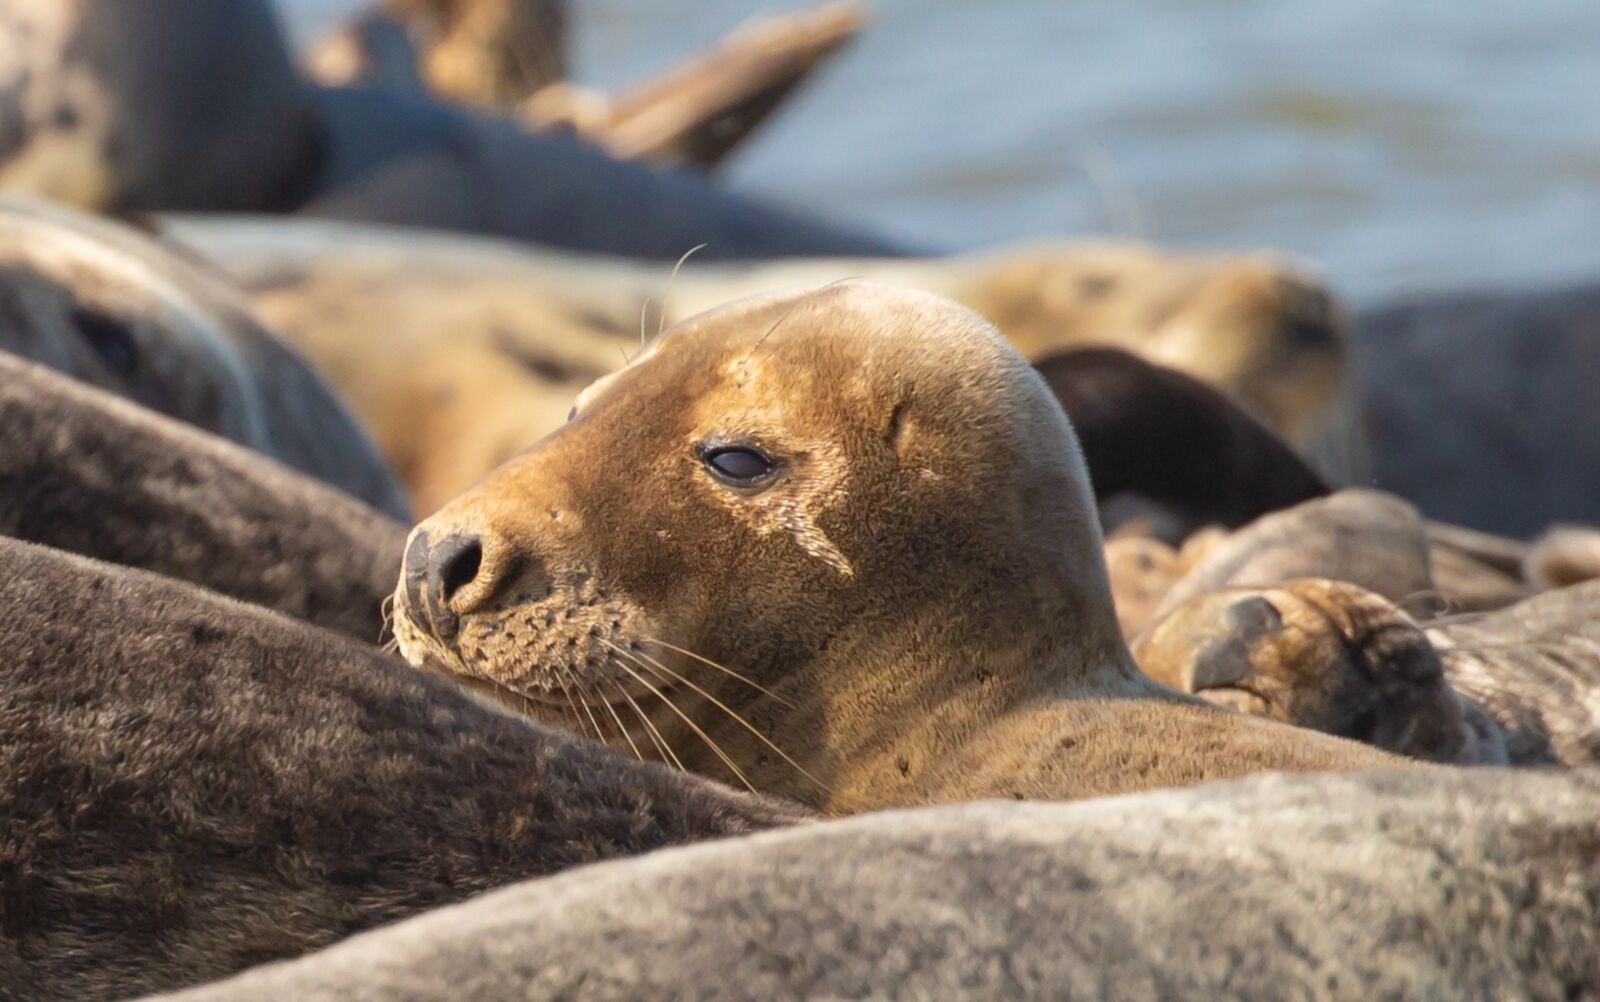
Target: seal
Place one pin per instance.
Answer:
(1169, 438)
(85, 471)
(1141, 569)
(122, 106)
(1535, 668)
(1564, 555)
(1358, 536)
(1362, 537)
(1525, 680)
(109, 305)
(1325, 655)
(190, 786)
(110, 105)
(843, 540)
(458, 353)
(1459, 382)
(1498, 866)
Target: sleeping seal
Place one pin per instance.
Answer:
(190, 786)
(111, 306)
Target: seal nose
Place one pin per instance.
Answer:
(434, 574)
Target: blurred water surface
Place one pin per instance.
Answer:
(1393, 146)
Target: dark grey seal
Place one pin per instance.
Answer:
(1535, 668)
(190, 786)
(85, 471)
(1479, 884)
(146, 105)
(110, 305)
(1480, 406)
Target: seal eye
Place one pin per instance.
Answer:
(109, 337)
(738, 464)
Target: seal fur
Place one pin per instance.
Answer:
(109, 305)
(459, 352)
(190, 786)
(85, 471)
(915, 602)
(1458, 884)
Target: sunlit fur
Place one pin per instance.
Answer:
(917, 609)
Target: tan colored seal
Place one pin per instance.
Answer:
(1564, 555)
(1141, 570)
(1325, 655)
(459, 352)
(1330, 656)
(839, 545)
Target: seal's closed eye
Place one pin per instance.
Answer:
(110, 338)
(739, 465)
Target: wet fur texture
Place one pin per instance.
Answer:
(85, 471)
(918, 603)
(1480, 884)
(190, 786)
(112, 306)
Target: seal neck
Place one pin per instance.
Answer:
(901, 702)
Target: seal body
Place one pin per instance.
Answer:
(1314, 874)
(1535, 668)
(458, 353)
(1358, 536)
(1322, 654)
(1169, 438)
(85, 471)
(146, 104)
(111, 306)
(1519, 685)
(842, 546)
(192, 786)
(1457, 383)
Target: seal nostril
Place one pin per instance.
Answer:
(459, 562)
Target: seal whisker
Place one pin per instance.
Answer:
(650, 729)
(790, 312)
(595, 688)
(599, 735)
(715, 748)
(644, 312)
(661, 316)
(722, 668)
(576, 720)
(386, 629)
(1460, 617)
(719, 704)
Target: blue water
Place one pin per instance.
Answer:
(1393, 146)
